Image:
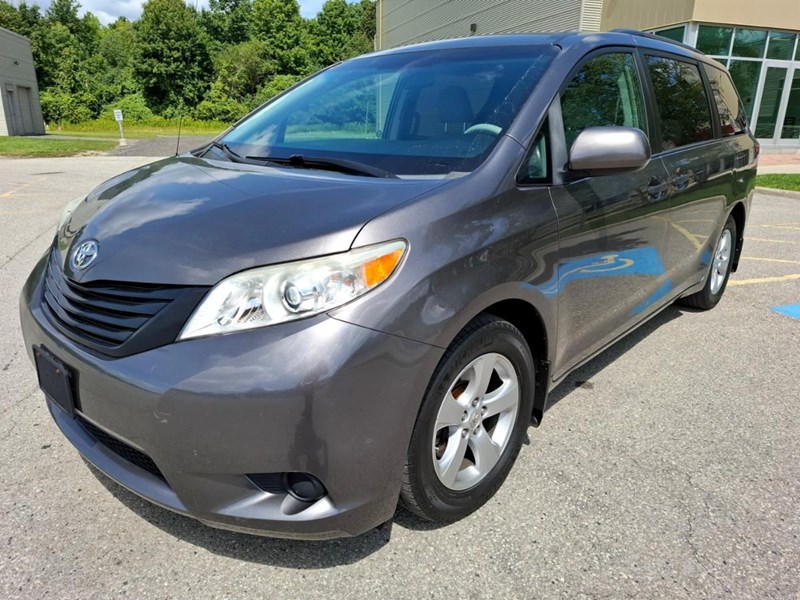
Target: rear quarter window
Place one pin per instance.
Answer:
(732, 117)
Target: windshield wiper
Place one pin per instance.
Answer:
(230, 154)
(341, 165)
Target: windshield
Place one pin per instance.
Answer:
(409, 113)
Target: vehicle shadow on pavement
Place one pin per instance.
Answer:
(294, 554)
(582, 377)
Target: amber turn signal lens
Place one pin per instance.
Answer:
(378, 269)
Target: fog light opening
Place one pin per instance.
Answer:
(304, 487)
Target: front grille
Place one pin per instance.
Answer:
(121, 449)
(107, 316)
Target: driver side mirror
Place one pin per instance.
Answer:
(607, 150)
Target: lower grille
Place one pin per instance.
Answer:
(121, 449)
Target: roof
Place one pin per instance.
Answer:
(627, 37)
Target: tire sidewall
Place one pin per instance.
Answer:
(496, 336)
(712, 298)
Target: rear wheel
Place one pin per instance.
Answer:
(472, 422)
(719, 271)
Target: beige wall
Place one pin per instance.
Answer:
(769, 14)
(645, 14)
(649, 14)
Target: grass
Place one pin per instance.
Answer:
(109, 129)
(780, 182)
(23, 147)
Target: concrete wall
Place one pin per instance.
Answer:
(402, 22)
(20, 109)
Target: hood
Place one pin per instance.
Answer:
(190, 221)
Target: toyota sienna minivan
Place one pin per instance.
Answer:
(363, 291)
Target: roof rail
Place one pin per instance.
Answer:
(654, 36)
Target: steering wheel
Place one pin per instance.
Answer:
(484, 128)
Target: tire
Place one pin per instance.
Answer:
(488, 350)
(718, 272)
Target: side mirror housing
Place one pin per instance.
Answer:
(608, 150)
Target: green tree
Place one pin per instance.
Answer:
(278, 24)
(22, 19)
(228, 21)
(172, 59)
(243, 68)
(341, 31)
(118, 48)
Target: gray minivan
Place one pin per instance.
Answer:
(364, 290)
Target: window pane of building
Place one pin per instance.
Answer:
(750, 43)
(605, 91)
(681, 100)
(731, 112)
(714, 40)
(673, 33)
(791, 122)
(770, 102)
(745, 75)
(781, 45)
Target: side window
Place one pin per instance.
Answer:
(731, 112)
(682, 102)
(537, 167)
(606, 91)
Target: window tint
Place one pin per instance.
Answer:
(731, 111)
(605, 91)
(681, 100)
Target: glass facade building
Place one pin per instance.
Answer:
(765, 65)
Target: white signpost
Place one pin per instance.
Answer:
(118, 119)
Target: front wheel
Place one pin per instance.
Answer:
(472, 422)
(719, 271)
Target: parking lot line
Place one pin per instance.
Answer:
(775, 279)
(775, 260)
(755, 239)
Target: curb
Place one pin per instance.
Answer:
(778, 193)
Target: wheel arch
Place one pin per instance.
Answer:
(524, 316)
(739, 216)
(533, 314)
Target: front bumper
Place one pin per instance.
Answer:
(317, 396)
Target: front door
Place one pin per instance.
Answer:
(611, 228)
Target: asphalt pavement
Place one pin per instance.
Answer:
(669, 467)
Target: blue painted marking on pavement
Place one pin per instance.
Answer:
(790, 310)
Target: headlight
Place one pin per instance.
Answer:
(269, 295)
(68, 210)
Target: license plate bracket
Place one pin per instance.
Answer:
(55, 380)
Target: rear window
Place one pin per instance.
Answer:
(683, 107)
(732, 118)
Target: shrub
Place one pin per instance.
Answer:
(134, 109)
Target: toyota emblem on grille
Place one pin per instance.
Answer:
(84, 255)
